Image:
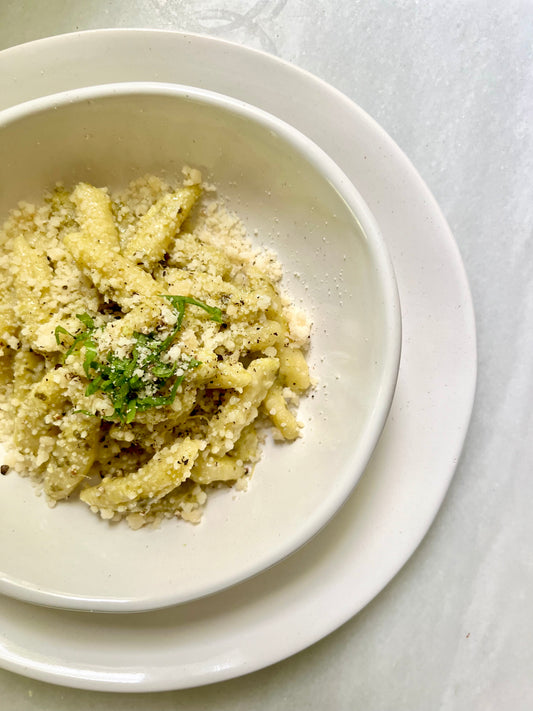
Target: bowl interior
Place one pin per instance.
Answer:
(335, 266)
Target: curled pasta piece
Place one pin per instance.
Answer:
(159, 225)
(38, 411)
(221, 375)
(111, 273)
(95, 217)
(276, 408)
(32, 280)
(259, 336)
(208, 470)
(185, 500)
(166, 470)
(73, 455)
(207, 258)
(293, 369)
(226, 427)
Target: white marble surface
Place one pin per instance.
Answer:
(453, 84)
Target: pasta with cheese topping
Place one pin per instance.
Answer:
(144, 345)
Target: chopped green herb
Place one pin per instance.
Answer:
(141, 380)
(179, 303)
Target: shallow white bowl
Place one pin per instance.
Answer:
(336, 264)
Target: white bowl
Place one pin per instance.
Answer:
(336, 263)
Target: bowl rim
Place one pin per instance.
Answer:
(371, 431)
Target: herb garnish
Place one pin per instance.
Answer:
(141, 380)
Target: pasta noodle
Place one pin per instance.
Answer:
(145, 346)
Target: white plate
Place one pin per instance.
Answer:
(274, 615)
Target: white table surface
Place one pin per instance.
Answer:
(452, 83)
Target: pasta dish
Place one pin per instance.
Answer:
(146, 345)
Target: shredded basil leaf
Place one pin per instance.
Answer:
(126, 381)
